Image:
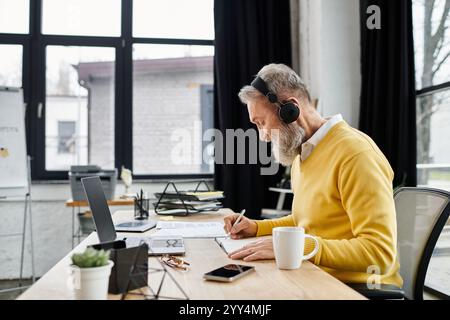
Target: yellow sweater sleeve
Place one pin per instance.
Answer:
(265, 226)
(365, 186)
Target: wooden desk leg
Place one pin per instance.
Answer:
(73, 226)
(76, 231)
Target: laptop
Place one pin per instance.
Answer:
(107, 231)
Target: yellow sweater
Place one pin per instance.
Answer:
(343, 196)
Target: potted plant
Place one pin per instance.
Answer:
(90, 274)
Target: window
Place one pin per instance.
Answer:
(66, 137)
(10, 65)
(431, 38)
(106, 81)
(14, 16)
(163, 18)
(168, 116)
(434, 160)
(79, 90)
(81, 17)
(432, 52)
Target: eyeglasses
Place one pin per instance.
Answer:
(174, 262)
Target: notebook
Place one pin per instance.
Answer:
(229, 245)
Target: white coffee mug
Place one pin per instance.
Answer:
(289, 245)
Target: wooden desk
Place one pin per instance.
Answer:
(115, 202)
(267, 282)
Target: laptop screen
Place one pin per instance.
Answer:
(99, 207)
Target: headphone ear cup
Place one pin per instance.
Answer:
(289, 112)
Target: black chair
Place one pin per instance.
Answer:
(421, 216)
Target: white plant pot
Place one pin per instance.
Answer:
(91, 283)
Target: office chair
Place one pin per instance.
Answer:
(421, 215)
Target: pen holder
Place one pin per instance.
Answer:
(130, 270)
(141, 207)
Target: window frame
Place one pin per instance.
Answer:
(433, 89)
(34, 78)
(420, 93)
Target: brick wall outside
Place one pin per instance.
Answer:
(162, 102)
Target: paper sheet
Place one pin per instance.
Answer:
(190, 229)
(182, 225)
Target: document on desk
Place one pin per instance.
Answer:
(190, 229)
(229, 245)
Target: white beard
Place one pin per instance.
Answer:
(287, 142)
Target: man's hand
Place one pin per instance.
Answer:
(244, 229)
(258, 250)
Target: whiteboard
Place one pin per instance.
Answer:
(13, 150)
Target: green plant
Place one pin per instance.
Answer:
(90, 258)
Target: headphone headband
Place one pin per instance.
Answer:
(288, 112)
(260, 85)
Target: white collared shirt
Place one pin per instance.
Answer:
(308, 146)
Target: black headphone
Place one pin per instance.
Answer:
(288, 112)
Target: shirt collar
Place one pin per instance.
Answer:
(311, 143)
(323, 130)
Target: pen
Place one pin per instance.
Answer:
(238, 219)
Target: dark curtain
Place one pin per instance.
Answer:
(248, 35)
(388, 97)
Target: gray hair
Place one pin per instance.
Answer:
(281, 80)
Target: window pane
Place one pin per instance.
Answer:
(431, 53)
(10, 65)
(81, 17)
(66, 137)
(173, 19)
(433, 152)
(14, 16)
(172, 106)
(79, 118)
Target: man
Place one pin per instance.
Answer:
(342, 184)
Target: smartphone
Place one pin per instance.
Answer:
(228, 273)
